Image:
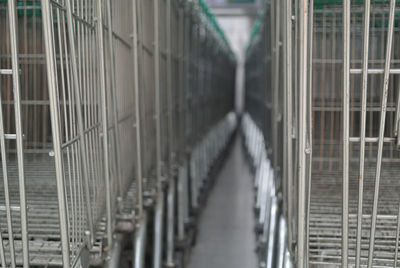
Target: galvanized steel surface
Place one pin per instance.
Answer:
(105, 105)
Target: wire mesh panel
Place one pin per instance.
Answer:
(354, 142)
(337, 67)
(96, 101)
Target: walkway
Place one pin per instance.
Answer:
(226, 237)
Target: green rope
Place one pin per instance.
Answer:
(213, 21)
(255, 30)
(28, 8)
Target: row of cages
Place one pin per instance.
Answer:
(112, 113)
(322, 87)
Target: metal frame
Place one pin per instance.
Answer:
(340, 128)
(114, 104)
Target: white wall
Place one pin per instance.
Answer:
(237, 30)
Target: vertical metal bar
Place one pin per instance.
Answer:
(137, 110)
(7, 198)
(276, 79)
(381, 131)
(3, 255)
(114, 98)
(303, 84)
(323, 82)
(18, 127)
(171, 186)
(140, 243)
(158, 241)
(332, 95)
(158, 230)
(310, 121)
(289, 119)
(171, 224)
(285, 114)
(104, 113)
(367, 6)
(181, 203)
(157, 89)
(346, 115)
(78, 104)
(56, 130)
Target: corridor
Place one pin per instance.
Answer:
(226, 237)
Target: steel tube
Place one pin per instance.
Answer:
(56, 131)
(139, 242)
(381, 131)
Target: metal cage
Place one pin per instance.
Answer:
(326, 98)
(103, 104)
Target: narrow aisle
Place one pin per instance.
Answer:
(226, 237)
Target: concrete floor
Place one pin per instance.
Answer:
(225, 237)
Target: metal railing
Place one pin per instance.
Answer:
(103, 106)
(322, 86)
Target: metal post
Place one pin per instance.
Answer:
(367, 6)
(115, 255)
(56, 130)
(171, 224)
(302, 151)
(381, 130)
(171, 186)
(346, 122)
(117, 144)
(181, 203)
(81, 131)
(288, 111)
(158, 231)
(104, 114)
(275, 91)
(18, 127)
(139, 242)
(139, 174)
(309, 121)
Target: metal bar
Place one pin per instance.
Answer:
(346, 122)
(276, 80)
(114, 261)
(104, 113)
(158, 230)
(139, 174)
(7, 199)
(56, 130)
(78, 104)
(170, 262)
(289, 117)
(117, 144)
(374, 71)
(181, 203)
(272, 232)
(372, 139)
(367, 6)
(6, 71)
(158, 241)
(302, 119)
(171, 187)
(381, 131)
(309, 150)
(18, 128)
(139, 249)
(2, 253)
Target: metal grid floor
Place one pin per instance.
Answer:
(43, 217)
(326, 216)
